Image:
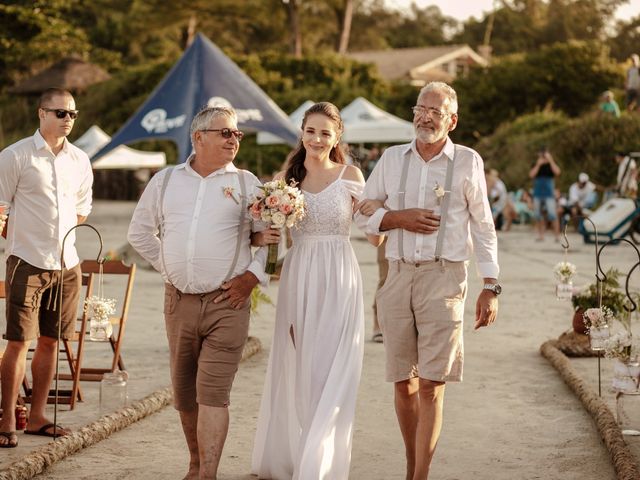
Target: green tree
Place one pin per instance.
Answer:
(35, 33)
(626, 40)
(566, 76)
(526, 25)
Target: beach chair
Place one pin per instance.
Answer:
(116, 276)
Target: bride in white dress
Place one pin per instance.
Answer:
(307, 409)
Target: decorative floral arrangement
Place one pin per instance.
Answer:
(598, 317)
(229, 192)
(612, 296)
(99, 309)
(564, 271)
(620, 346)
(280, 205)
(439, 191)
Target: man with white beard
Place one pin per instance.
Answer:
(430, 198)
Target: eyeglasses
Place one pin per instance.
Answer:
(429, 112)
(61, 112)
(226, 132)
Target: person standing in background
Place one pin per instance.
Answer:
(632, 83)
(543, 174)
(46, 182)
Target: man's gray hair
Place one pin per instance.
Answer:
(444, 89)
(204, 117)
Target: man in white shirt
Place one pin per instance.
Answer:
(192, 224)
(435, 212)
(45, 186)
(582, 195)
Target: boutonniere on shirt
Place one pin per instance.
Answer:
(439, 191)
(229, 192)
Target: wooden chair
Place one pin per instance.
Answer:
(91, 270)
(67, 396)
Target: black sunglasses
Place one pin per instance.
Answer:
(226, 132)
(61, 112)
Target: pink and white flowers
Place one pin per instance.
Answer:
(280, 205)
(598, 317)
(229, 192)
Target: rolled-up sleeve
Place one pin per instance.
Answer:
(143, 234)
(257, 266)
(482, 229)
(259, 260)
(374, 189)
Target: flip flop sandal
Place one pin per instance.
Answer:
(43, 431)
(10, 436)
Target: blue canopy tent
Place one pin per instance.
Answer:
(203, 76)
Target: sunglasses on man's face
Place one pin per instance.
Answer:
(226, 132)
(61, 112)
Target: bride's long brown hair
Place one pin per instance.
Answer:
(295, 161)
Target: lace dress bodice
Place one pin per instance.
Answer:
(329, 211)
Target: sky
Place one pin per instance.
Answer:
(463, 9)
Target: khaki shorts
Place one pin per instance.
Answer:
(32, 303)
(420, 310)
(205, 344)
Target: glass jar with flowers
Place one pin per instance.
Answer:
(564, 272)
(626, 369)
(98, 309)
(588, 297)
(598, 321)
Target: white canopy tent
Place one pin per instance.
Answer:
(121, 157)
(266, 138)
(366, 123)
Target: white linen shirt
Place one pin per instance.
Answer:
(45, 194)
(200, 228)
(469, 221)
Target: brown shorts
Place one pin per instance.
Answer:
(32, 304)
(420, 309)
(205, 344)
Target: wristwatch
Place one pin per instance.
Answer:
(494, 287)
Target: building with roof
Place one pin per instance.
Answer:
(421, 65)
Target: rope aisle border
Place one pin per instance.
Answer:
(624, 462)
(39, 460)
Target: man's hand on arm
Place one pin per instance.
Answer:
(486, 306)
(417, 220)
(237, 290)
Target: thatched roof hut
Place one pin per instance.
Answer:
(70, 73)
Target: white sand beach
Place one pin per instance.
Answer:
(511, 418)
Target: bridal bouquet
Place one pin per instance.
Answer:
(281, 205)
(99, 309)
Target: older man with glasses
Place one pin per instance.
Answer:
(192, 224)
(45, 189)
(430, 198)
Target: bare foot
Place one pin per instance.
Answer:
(8, 440)
(193, 473)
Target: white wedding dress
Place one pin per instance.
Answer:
(306, 414)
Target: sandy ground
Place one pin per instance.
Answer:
(511, 418)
